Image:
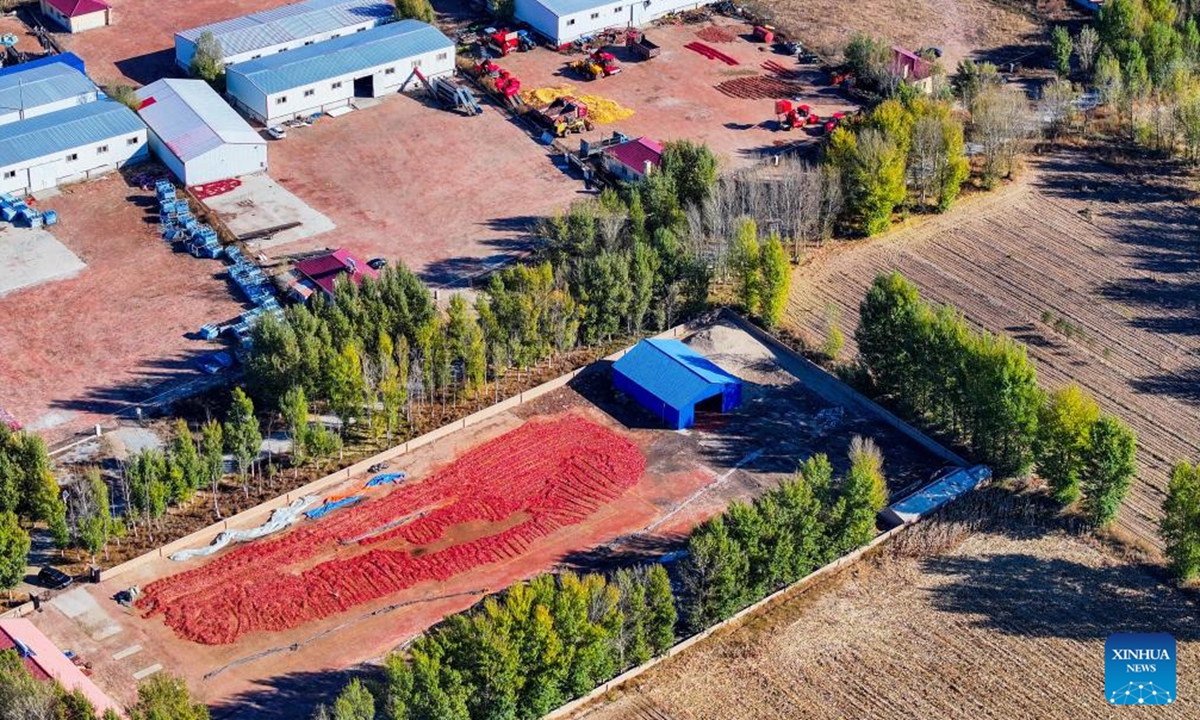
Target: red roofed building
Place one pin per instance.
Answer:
(78, 15)
(910, 66)
(321, 272)
(45, 661)
(632, 161)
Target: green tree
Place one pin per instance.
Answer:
(164, 697)
(354, 703)
(22, 696)
(1180, 525)
(186, 459)
(212, 457)
(346, 384)
(878, 176)
(208, 60)
(863, 495)
(294, 409)
(14, 552)
(1110, 463)
(415, 10)
(745, 258)
(776, 281)
(1061, 47)
(98, 526)
(662, 615)
(693, 169)
(633, 645)
(243, 438)
(1065, 425)
(714, 575)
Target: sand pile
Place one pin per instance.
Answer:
(601, 110)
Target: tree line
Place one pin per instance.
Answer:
(29, 494)
(982, 390)
(756, 548)
(523, 652)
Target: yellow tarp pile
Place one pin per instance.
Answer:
(601, 110)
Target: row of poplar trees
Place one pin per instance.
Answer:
(981, 389)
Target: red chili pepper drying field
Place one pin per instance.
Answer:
(519, 487)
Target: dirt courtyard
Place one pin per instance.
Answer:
(1093, 265)
(447, 195)
(75, 351)
(994, 614)
(683, 477)
(679, 94)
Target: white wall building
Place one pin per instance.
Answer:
(78, 15)
(195, 133)
(69, 145)
(284, 28)
(322, 77)
(44, 89)
(565, 21)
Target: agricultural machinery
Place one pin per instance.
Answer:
(504, 42)
(789, 116)
(597, 65)
(564, 116)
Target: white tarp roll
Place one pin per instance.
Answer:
(280, 520)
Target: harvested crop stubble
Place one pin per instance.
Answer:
(522, 486)
(601, 110)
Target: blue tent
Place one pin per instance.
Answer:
(669, 379)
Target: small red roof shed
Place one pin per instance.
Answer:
(76, 8)
(635, 155)
(45, 661)
(324, 270)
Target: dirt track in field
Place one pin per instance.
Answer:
(1110, 257)
(953, 622)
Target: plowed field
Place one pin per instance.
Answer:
(1004, 621)
(1095, 267)
(490, 504)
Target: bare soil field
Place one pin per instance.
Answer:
(75, 351)
(438, 542)
(1094, 266)
(448, 195)
(980, 29)
(678, 95)
(990, 612)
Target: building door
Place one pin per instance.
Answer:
(364, 87)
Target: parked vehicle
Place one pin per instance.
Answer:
(377, 263)
(277, 132)
(641, 46)
(53, 578)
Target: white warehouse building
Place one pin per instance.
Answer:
(330, 75)
(195, 133)
(43, 89)
(69, 145)
(564, 21)
(284, 28)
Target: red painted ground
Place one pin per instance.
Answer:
(490, 505)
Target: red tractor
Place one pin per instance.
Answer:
(596, 65)
(833, 122)
(789, 116)
(504, 42)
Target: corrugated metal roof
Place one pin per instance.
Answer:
(939, 493)
(672, 371)
(290, 23)
(341, 56)
(78, 8)
(563, 8)
(191, 119)
(63, 130)
(636, 153)
(42, 85)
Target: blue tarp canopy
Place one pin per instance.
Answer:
(669, 379)
(936, 494)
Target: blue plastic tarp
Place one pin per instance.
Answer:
(320, 512)
(386, 478)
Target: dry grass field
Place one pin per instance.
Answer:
(989, 613)
(1094, 265)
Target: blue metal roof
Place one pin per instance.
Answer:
(42, 85)
(68, 58)
(672, 371)
(289, 23)
(346, 55)
(939, 493)
(64, 130)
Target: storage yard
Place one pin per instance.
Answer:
(119, 335)
(575, 478)
(1089, 264)
(991, 612)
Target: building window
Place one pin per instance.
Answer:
(571, 21)
(308, 42)
(416, 63)
(281, 99)
(595, 15)
(309, 93)
(360, 30)
(72, 157)
(102, 149)
(336, 86)
(131, 141)
(282, 49)
(442, 56)
(10, 174)
(255, 57)
(335, 35)
(390, 71)
(617, 10)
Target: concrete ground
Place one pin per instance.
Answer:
(32, 256)
(689, 476)
(447, 195)
(73, 352)
(676, 95)
(260, 203)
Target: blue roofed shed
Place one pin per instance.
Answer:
(670, 379)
